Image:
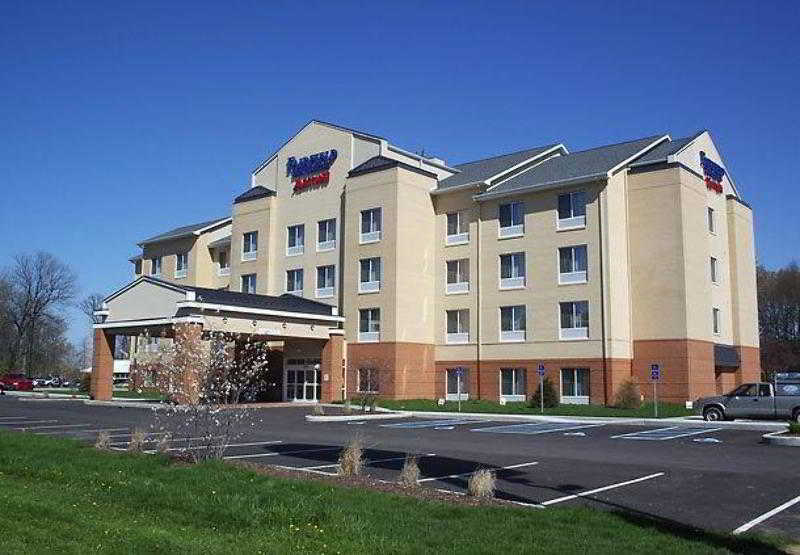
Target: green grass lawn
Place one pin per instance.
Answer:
(665, 410)
(61, 496)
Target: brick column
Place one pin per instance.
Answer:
(189, 359)
(332, 367)
(102, 366)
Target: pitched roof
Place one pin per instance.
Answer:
(480, 170)
(183, 231)
(667, 148)
(595, 162)
(253, 193)
(220, 242)
(285, 302)
(380, 163)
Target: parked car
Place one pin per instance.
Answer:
(39, 382)
(779, 400)
(16, 382)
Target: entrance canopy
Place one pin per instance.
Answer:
(154, 305)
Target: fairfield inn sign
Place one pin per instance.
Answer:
(312, 170)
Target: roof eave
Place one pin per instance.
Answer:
(542, 186)
(456, 188)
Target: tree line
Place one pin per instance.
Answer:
(779, 318)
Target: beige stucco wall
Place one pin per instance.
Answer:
(744, 301)
(254, 215)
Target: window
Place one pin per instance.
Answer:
(512, 384)
(368, 380)
(370, 280)
(715, 320)
(326, 235)
(711, 223)
(457, 276)
(575, 386)
(296, 239)
(575, 320)
(326, 281)
(457, 229)
(512, 323)
(713, 270)
(249, 283)
(294, 281)
(572, 264)
(370, 225)
(250, 245)
(510, 216)
(512, 270)
(458, 326)
(457, 384)
(369, 325)
(181, 265)
(224, 263)
(746, 390)
(137, 267)
(572, 210)
(155, 266)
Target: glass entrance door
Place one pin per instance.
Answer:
(302, 380)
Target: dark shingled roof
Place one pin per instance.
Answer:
(660, 153)
(253, 193)
(184, 231)
(380, 163)
(585, 163)
(725, 355)
(480, 170)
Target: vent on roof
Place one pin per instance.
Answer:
(438, 161)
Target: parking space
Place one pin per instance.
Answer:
(710, 477)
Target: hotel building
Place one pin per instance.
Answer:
(371, 269)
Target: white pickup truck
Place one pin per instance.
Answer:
(778, 400)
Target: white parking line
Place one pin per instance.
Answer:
(535, 428)
(758, 520)
(658, 435)
(256, 455)
(28, 422)
(311, 470)
(367, 463)
(13, 417)
(148, 434)
(55, 426)
(476, 470)
(226, 447)
(598, 490)
(62, 432)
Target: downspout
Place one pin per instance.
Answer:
(478, 340)
(602, 292)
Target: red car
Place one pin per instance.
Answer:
(16, 382)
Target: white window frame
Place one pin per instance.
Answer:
(155, 266)
(514, 281)
(248, 276)
(514, 335)
(328, 244)
(573, 221)
(181, 270)
(573, 333)
(249, 254)
(328, 291)
(461, 335)
(295, 272)
(373, 381)
(513, 397)
(714, 268)
(711, 221)
(464, 385)
(515, 229)
(226, 269)
(716, 320)
(461, 237)
(461, 286)
(574, 399)
(372, 286)
(374, 234)
(292, 233)
(575, 276)
(369, 335)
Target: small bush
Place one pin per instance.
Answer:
(348, 409)
(103, 441)
(163, 444)
(319, 410)
(551, 399)
(481, 484)
(85, 383)
(409, 476)
(351, 460)
(137, 440)
(628, 396)
(794, 428)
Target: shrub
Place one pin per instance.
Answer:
(351, 460)
(794, 428)
(103, 441)
(163, 444)
(348, 409)
(137, 440)
(481, 483)
(551, 399)
(409, 476)
(319, 410)
(86, 383)
(628, 396)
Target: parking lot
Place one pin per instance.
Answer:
(713, 477)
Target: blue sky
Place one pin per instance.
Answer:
(106, 108)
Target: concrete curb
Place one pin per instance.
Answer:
(123, 404)
(59, 399)
(777, 438)
(33, 394)
(349, 417)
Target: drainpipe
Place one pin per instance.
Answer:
(602, 292)
(478, 339)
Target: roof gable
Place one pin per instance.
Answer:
(380, 163)
(184, 231)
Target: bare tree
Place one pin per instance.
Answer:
(779, 317)
(89, 305)
(39, 284)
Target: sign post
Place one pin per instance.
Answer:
(540, 370)
(459, 371)
(655, 377)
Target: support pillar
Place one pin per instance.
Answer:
(102, 366)
(332, 367)
(190, 361)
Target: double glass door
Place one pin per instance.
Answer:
(302, 380)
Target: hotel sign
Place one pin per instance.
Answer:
(310, 171)
(713, 174)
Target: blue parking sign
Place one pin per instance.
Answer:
(541, 370)
(655, 372)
